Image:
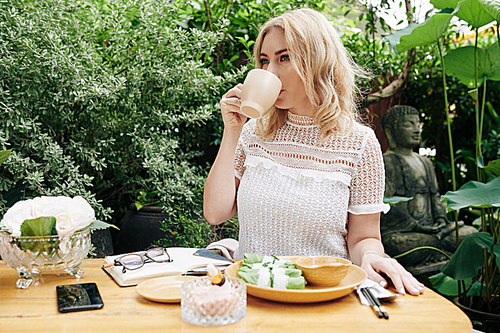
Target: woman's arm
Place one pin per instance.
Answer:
(366, 250)
(219, 197)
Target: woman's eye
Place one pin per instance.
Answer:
(285, 57)
(264, 61)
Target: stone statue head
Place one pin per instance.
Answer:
(401, 125)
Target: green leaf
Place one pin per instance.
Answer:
(473, 12)
(420, 34)
(395, 37)
(139, 205)
(492, 7)
(395, 200)
(469, 257)
(476, 289)
(100, 225)
(460, 63)
(446, 285)
(493, 113)
(4, 155)
(442, 4)
(41, 226)
(493, 167)
(496, 252)
(474, 194)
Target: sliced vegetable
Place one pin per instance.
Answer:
(270, 271)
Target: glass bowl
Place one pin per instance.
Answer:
(206, 305)
(34, 255)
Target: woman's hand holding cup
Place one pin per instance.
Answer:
(252, 99)
(230, 105)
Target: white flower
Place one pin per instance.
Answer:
(16, 215)
(71, 214)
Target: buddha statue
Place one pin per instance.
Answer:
(421, 221)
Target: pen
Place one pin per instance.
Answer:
(377, 306)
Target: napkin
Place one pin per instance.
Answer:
(376, 290)
(227, 246)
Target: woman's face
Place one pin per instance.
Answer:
(274, 57)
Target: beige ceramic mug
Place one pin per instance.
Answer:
(259, 92)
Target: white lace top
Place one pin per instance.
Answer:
(294, 195)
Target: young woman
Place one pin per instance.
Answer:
(308, 177)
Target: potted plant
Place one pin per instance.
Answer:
(473, 269)
(141, 225)
(47, 235)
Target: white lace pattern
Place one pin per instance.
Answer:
(294, 194)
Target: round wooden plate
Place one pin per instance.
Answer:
(164, 289)
(355, 276)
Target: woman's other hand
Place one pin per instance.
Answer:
(403, 280)
(230, 109)
(366, 250)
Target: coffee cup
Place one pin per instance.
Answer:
(259, 92)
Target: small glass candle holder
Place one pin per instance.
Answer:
(205, 304)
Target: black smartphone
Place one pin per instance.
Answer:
(78, 297)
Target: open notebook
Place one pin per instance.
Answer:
(184, 260)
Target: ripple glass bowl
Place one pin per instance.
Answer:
(34, 255)
(206, 305)
(323, 271)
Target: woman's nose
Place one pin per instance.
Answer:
(272, 68)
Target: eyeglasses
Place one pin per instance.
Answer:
(133, 261)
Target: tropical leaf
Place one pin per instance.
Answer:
(395, 37)
(446, 285)
(425, 33)
(478, 289)
(474, 194)
(496, 252)
(492, 7)
(473, 12)
(460, 63)
(494, 115)
(442, 4)
(469, 256)
(41, 226)
(493, 167)
(395, 200)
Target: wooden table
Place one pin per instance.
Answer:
(35, 310)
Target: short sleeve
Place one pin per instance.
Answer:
(240, 155)
(368, 182)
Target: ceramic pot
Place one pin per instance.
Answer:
(140, 229)
(483, 321)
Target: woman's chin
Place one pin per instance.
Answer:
(282, 106)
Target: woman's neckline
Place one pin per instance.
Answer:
(295, 119)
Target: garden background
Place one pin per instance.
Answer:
(117, 101)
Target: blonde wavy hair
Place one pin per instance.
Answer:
(328, 72)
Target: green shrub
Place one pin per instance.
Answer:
(97, 98)
(188, 230)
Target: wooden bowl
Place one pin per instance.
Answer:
(323, 271)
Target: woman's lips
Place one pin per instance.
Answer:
(280, 92)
